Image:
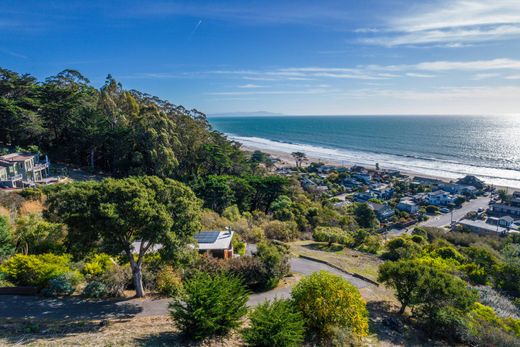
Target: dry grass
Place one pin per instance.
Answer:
(138, 331)
(31, 207)
(4, 212)
(349, 260)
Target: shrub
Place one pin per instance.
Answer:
(169, 282)
(329, 302)
(62, 285)
(239, 247)
(97, 265)
(401, 248)
(332, 235)
(372, 244)
(281, 231)
(35, 270)
(275, 260)
(275, 324)
(253, 272)
(6, 240)
(31, 193)
(95, 289)
(35, 235)
(210, 305)
(116, 278)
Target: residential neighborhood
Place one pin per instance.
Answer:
(400, 201)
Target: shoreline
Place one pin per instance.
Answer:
(286, 160)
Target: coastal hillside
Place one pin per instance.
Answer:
(111, 130)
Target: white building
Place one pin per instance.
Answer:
(408, 205)
(440, 198)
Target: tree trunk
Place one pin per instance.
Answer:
(138, 281)
(403, 307)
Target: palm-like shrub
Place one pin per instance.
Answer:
(210, 305)
(275, 324)
(330, 304)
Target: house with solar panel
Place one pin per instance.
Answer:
(216, 244)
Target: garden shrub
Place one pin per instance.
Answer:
(329, 302)
(275, 324)
(281, 231)
(210, 305)
(95, 289)
(35, 270)
(62, 285)
(116, 278)
(252, 271)
(97, 265)
(169, 281)
(239, 247)
(332, 235)
(275, 260)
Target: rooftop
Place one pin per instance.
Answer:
(16, 157)
(214, 239)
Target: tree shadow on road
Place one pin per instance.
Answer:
(25, 319)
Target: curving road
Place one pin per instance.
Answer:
(12, 306)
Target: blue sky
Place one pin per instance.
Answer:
(292, 57)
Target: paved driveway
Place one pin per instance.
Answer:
(12, 306)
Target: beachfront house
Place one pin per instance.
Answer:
(22, 169)
(461, 189)
(440, 198)
(383, 212)
(216, 244)
(473, 181)
(408, 205)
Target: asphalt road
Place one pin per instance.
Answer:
(12, 306)
(445, 218)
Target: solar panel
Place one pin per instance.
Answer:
(207, 236)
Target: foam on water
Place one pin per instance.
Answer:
(421, 166)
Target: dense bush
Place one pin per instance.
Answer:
(96, 265)
(62, 285)
(116, 278)
(169, 282)
(275, 260)
(6, 240)
(95, 289)
(239, 247)
(36, 270)
(281, 231)
(252, 271)
(275, 324)
(210, 305)
(330, 303)
(332, 235)
(401, 248)
(35, 235)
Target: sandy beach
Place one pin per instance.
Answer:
(286, 160)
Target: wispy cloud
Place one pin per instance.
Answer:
(13, 54)
(195, 29)
(451, 22)
(250, 86)
(484, 76)
(419, 75)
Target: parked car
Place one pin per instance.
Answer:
(445, 210)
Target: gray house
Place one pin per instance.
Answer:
(18, 170)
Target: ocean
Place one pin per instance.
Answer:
(443, 146)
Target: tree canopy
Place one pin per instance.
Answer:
(119, 212)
